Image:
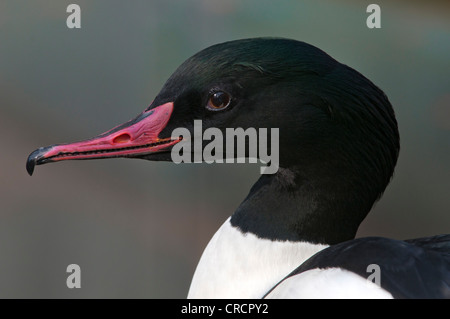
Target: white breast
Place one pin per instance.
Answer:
(238, 265)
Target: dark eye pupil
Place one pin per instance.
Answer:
(220, 99)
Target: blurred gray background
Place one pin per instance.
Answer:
(137, 228)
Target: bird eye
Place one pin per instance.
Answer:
(218, 101)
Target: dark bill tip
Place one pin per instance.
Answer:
(134, 138)
(37, 158)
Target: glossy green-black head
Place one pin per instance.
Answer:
(328, 114)
(331, 119)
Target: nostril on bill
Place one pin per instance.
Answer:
(122, 138)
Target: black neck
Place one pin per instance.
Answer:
(297, 206)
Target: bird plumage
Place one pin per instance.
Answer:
(338, 145)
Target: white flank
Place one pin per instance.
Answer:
(330, 283)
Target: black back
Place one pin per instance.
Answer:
(417, 268)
